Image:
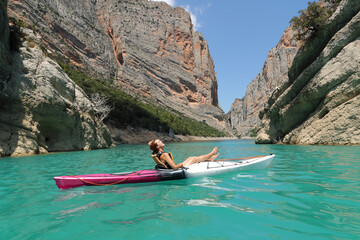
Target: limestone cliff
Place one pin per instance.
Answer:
(320, 102)
(244, 113)
(42, 109)
(4, 45)
(149, 49)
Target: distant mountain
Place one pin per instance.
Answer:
(244, 113)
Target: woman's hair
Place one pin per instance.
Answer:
(153, 146)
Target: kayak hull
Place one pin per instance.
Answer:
(156, 175)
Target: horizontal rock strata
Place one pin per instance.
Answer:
(148, 48)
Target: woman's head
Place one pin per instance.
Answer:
(155, 145)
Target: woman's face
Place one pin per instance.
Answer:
(159, 143)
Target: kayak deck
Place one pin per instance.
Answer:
(231, 165)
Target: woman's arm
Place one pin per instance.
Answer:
(171, 162)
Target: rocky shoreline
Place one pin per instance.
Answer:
(132, 135)
(203, 139)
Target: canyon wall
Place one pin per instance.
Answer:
(147, 49)
(42, 109)
(320, 101)
(244, 113)
(4, 45)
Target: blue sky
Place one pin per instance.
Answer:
(240, 35)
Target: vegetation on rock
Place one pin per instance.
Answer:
(318, 103)
(16, 33)
(252, 132)
(313, 18)
(130, 111)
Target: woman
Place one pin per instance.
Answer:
(166, 160)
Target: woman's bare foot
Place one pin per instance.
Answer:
(212, 158)
(214, 151)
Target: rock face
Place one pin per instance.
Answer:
(148, 48)
(244, 113)
(4, 45)
(319, 104)
(43, 110)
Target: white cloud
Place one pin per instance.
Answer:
(193, 17)
(170, 2)
(199, 10)
(193, 12)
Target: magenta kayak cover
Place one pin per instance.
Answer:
(104, 179)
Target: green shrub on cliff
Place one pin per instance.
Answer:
(130, 111)
(253, 132)
(313, 18)
(16, 33)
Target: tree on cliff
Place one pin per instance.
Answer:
(101, 108)
(313, 18)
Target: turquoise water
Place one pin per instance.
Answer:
(309, 192)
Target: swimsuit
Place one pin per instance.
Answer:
(164, 164)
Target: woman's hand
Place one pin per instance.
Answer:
(177, 166)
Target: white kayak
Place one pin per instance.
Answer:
(228, 166)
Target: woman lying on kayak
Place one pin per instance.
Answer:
(166, 160)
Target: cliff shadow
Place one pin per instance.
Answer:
(13, 114)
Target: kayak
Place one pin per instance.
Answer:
(228, 165)
(207, 168)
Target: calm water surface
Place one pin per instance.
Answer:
(309, 192)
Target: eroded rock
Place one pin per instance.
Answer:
(319, 103)
(43, 110)
(149, 49)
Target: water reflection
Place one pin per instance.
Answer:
(137, 219)
(159, 199)
(211, 202)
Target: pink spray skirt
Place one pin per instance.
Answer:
(103, 179)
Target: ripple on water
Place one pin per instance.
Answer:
(309, 192)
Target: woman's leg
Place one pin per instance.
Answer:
(192, 160)
(213, 157)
